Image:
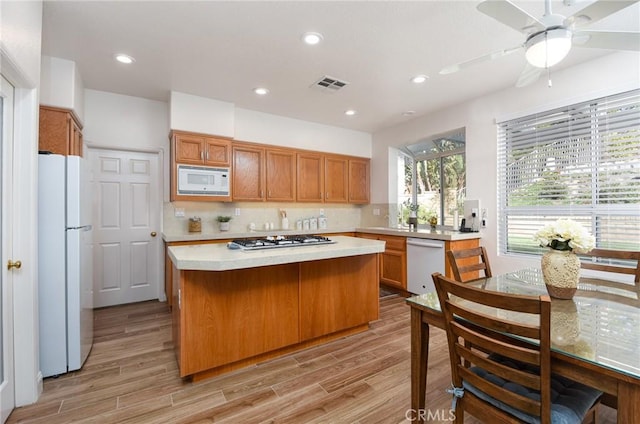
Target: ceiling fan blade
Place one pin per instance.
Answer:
(511, 15)
(495, 55)
(529, 75)
(615, 40)
(596, 11)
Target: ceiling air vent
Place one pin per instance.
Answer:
(329, 84)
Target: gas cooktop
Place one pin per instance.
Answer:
(278, 241)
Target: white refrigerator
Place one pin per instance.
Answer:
(65, 263)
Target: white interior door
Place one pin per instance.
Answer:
(126, 216)
(7, 388)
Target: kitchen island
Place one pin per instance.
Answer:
(235, 308)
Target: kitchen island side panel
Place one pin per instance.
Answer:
(336, 294)
(228, 316)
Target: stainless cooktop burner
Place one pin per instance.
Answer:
(278, 241)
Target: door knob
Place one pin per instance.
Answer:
(153, 234)
(16, 264)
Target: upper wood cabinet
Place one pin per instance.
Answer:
(310, 177)
(60, 132)
(263, 174)
(281, 175)
(336, 179)
(359, 181)
(247, 178)
(199, 149)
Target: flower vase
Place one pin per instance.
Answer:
(561, 271)
(224, 226)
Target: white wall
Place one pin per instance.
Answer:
(613, 73)
(114, 121)
(279, 130)
(61, 85)
(20, 38)
(201, 115)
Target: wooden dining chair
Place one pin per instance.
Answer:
(496, 375)
(601, 260)
(465, 261)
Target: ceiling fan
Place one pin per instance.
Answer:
(550, 38)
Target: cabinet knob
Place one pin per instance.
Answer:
(16, 264)
(153, 234)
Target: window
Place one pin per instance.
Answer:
(432, 175)
(580, 162)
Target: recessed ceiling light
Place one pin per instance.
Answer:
(409, 113)
(419, 79)
(350, 112)
(312, 38)
(261, 91)
(123, 58)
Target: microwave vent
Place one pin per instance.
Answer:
(329, 84)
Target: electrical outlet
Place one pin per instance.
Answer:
(376, 211)
(179, 212)
(321, 212)
(237, 212)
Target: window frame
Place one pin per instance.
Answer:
(598, 133)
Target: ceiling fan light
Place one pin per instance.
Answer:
(548, 48)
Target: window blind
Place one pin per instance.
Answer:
(580, 162)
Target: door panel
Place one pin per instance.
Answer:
(125, 214)
(7, 388)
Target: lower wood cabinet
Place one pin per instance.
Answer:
(393, 262)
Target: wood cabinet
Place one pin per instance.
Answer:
(359, 181)
(60, 132)
(263, 174)
(310, 177)
(247, 178)
(280, 175)
(393, 262)
(336, 179)
(200, 149)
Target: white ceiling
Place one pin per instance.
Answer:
(224, 49)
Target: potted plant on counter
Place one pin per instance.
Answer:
(223, 221)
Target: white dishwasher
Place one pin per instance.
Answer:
(424, 257)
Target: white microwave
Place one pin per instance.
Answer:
(203, 180)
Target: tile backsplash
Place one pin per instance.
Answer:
(339, 217)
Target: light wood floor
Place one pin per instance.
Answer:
(131, 377)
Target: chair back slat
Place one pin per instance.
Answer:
(600, 260)
(501, 325)
(486, 343)
(465, 261)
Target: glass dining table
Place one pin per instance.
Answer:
(595, 336)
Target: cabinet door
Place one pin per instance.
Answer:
(59, 132)
(281, 175)
(248, 173)
(393, 268)
(217, 152)
(336, 174)
(359, 181)
(189, 149)
(310, 178)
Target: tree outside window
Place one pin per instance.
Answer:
(434, 179)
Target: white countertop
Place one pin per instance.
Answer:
(421, 233)
(403, 232)
(217, 257)
(228, 235)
